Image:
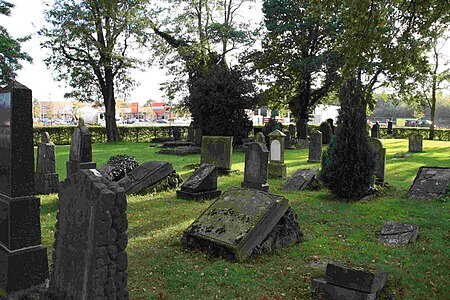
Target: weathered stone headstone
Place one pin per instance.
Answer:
(287, 139)
(89, 259)
(236, 223)
(191, 133)
(315, 147)
(331, 122)
(201, 185)
(415, 143)
(46, 178)
(260, 138)
(394, 233)
(198, 137)
(326, 131)
(292, 130)
(144, 176)
(302, 179)
(430, 183)
(218, 151)
(80, 157)
(380, 160)
(375, 130)
(390, 131)
(349, 284)
(176, 132)
(23, 259)
(256, 167)
(247, 141)
(277, 167)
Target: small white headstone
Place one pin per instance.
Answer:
(275, 150)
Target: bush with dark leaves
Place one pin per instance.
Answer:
(122, 165)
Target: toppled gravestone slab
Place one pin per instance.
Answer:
(145, 176)
(201, 185)
(236, 223)
(184, 150)
(89, 258)
(394, 233)
(302, 179)
(118, 166)
(349, 284)
(430, 183)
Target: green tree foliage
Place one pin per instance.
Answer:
(380, 39)
(218, 100)
(297, 61)
(10, 49)
(90, 41)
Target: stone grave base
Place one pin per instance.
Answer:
(75, 166)
(181, 151)
(277, 170)
(161, 139)
(323, 290)
(175, 144)
(199, 195)
(255, 186)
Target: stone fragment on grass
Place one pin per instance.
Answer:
(301, 180)
(430, 183)
(394, 233)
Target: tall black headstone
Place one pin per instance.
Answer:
(390, 131)
(23, 260)
(46, 177)
(375, 131)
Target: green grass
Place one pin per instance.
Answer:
(333, 230)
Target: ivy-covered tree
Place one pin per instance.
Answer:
(378, 38)
(297, 60)
(11, 53)
(90, 43)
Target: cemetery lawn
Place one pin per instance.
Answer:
(160, 268)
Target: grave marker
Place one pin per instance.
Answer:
(430, 183)
(380, 160)
(394, 233)
(302, 179)
(46, 178)
(90, 261)
(277, 167)
(326, 131)
(218, 151)
(390, 131)
(80, 157)
(331, 122)
(176, 132)
(415, 143)
(315, 147)
(145, 175)
(256, 167)
(375, 130)
(201, 185)
(23, 259)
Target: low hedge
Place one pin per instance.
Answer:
(61, 135)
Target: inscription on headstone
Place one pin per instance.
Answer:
(256, 167)
(46, 177)
(201, 185)
(315, 147)
(90, 261)
(415, 143)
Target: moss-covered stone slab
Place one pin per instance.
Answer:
(301, 180)
(430, 183)
(218, 151)
(201, 185)
(238, 221)
(394, 233)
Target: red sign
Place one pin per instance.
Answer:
(135, 107)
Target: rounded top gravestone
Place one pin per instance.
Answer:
(45, 137)
(327, 132)
(260, 138)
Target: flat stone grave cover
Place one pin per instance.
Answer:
(346, 283)
(394, 233)
(175, 144)
(89, 258)
(236, 223)
(302, 179)
(181, 151)
(146, 175)
(430, 183)
(201, 184)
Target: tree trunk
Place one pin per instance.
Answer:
(112, 132)
(433, 109)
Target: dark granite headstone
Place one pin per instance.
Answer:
(46, 178)
(191, 133)
(415, 143)
(394, 233)
(326, 131)
(302, 179)
(23, 260)
(331, 122)
(89, 259)
(176, 132)
(80, 157)
(146, 175)
(430, 183)
(256, 167)
(277, 167)
(349, 284)
(380, 160)
(315, 147)
(218, 151)
(375, 130)
(292, 131)
(201, 185)
(302, 129)
(237, 222)
(390, 131)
